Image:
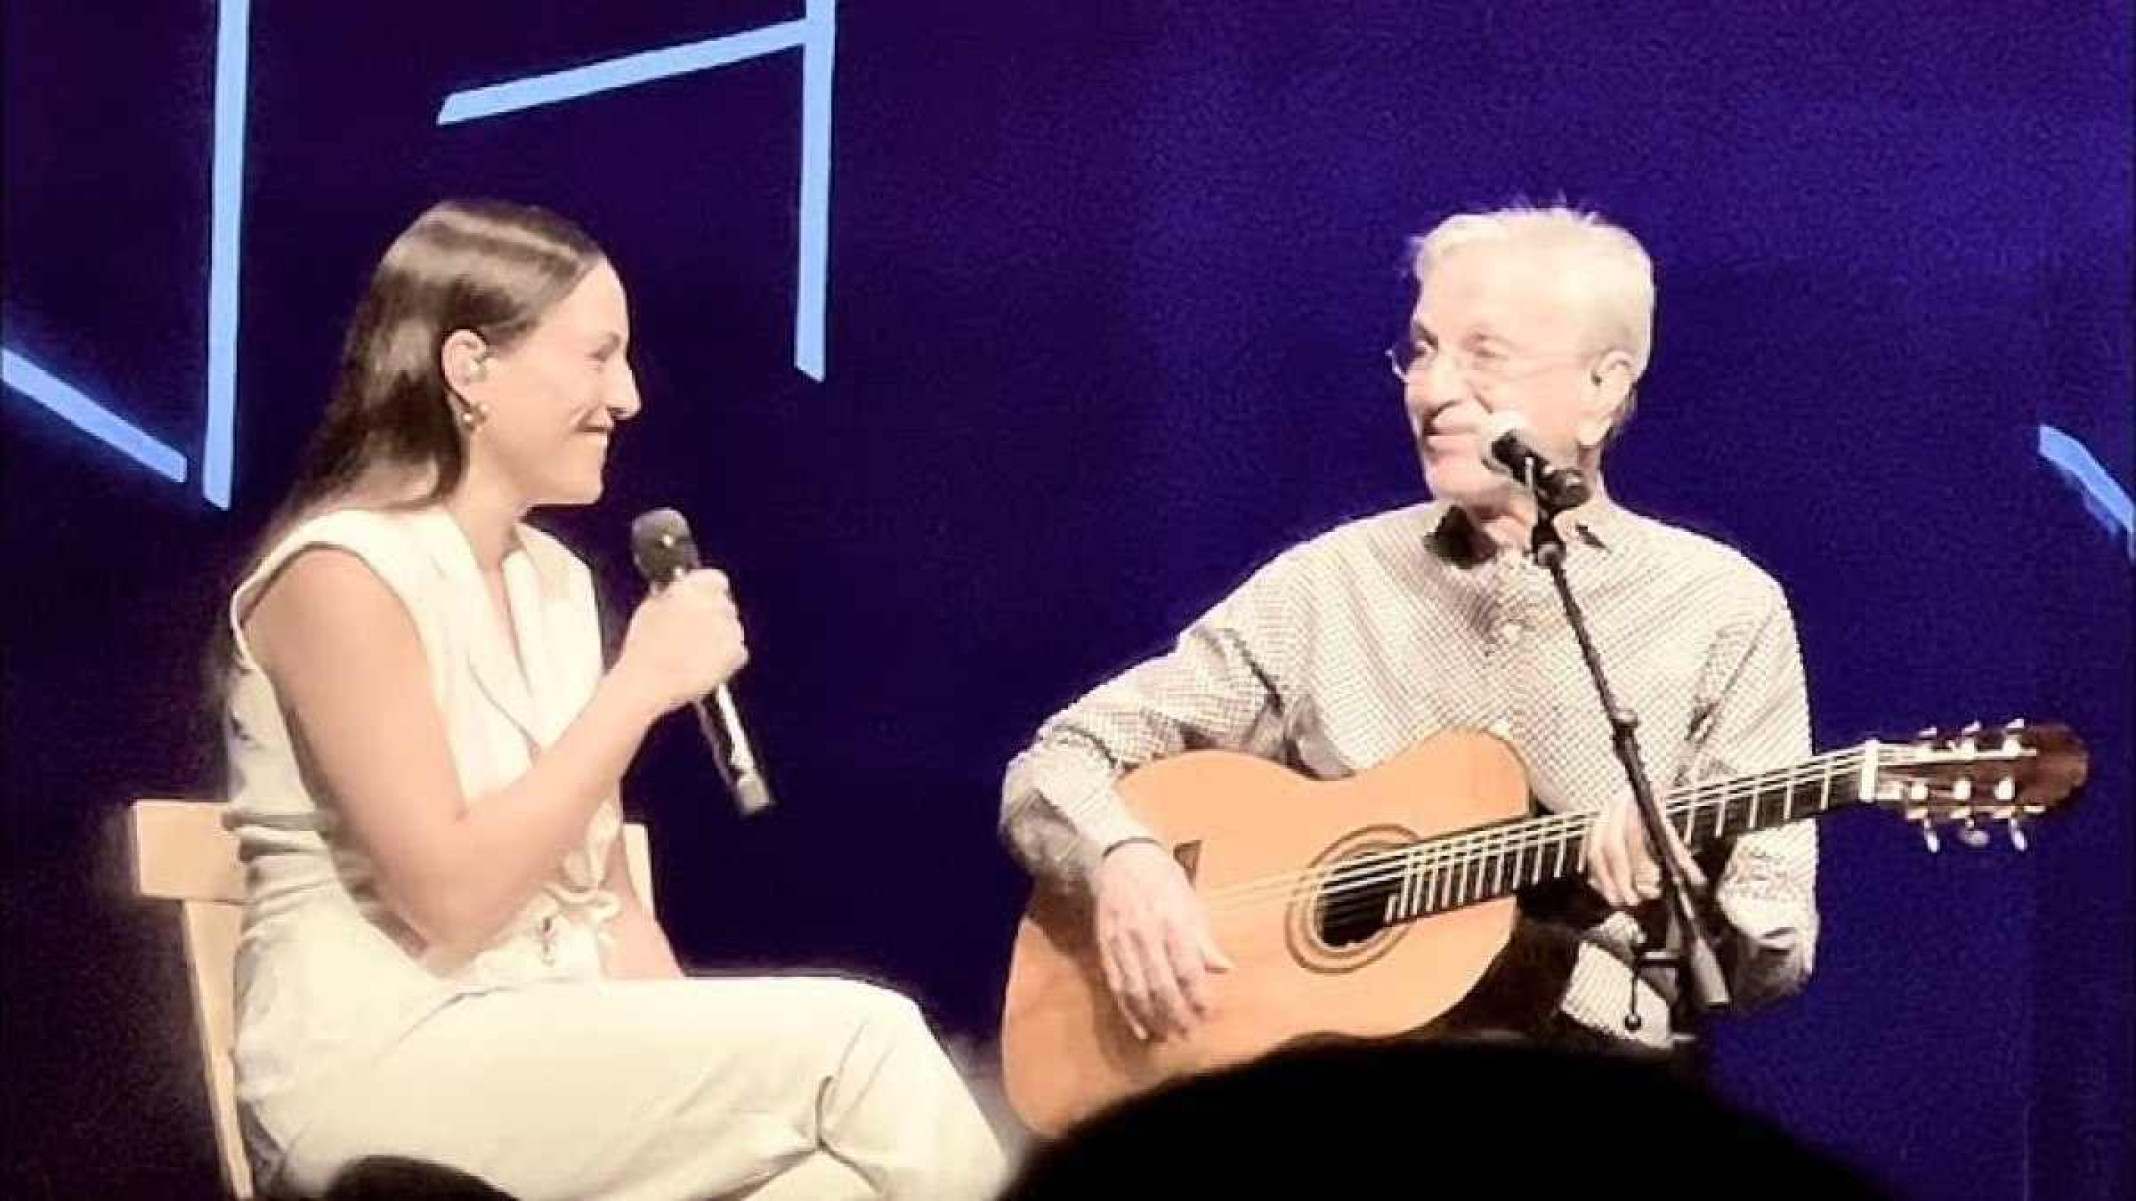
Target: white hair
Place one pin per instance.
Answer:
(1613, 270)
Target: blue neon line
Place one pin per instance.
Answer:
(228, 189)
(2106, 498)
(623, 72)
(812, 260)
(66, 400)
(816, 35)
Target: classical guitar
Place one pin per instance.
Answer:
(1371, 905)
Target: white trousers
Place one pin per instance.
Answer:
(669, 1090)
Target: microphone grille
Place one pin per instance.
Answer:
(661, 545)
(1501, 423)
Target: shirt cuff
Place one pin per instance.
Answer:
(1101, 821)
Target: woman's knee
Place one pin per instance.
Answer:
(856, 999)
(883, 1011)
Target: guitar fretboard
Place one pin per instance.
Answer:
(1483, 864)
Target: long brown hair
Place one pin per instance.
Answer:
(388, 437)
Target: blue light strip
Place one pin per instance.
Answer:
(231, 50)
(66, 400)
(812, 272)
(2105, 498)
(816, 35)
(630, 70)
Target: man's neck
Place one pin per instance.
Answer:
(1510, 525)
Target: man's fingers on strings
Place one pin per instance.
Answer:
(1187, 967)
(1645, 873)
(1626, 855)
(1166, 1007)
(1212, 955)
(1604, 846)
(1123, 985)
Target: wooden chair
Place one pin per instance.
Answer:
(182, 853)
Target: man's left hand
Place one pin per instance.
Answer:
(1620, 864)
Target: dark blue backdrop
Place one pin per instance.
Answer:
(1106, 294)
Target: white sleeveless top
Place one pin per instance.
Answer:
(328, 979)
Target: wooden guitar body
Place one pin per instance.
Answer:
(1370, 906)
(1232, 819)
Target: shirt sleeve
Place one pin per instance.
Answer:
(1767, 891)
(1220, 686)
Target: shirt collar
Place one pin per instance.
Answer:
(1454, 536)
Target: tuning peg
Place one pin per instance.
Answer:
(1970, 728)
(1929, 838)
(1970, 833)
(2016, 828)
(2006, 789)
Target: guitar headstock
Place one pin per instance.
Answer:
(2007, 773)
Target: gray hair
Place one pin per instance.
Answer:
(1614, 271)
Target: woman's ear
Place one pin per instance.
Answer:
(464, 359)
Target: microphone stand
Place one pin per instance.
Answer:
(1688, 951)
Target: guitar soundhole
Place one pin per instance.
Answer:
(1341, 924)
(1351, 912)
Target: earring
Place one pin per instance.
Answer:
(469, 412)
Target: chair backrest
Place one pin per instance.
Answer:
(182, 853)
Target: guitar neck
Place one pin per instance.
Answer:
(1489, 862)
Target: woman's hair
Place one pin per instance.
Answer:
(484, 266)
(389, 438)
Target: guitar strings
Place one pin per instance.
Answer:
(1468, 850)
(1425, 865)
(1378, 867)
(1424, 860)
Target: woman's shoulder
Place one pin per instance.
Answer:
(375, 575)
(379, 536)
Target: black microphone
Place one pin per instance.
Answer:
(1506, 452)
(661, 545)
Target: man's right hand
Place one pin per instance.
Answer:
(1154, 940)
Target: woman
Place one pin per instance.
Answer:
(443, 956)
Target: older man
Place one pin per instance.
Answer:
(1352, 646)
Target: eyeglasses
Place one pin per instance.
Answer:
(1479, 361)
